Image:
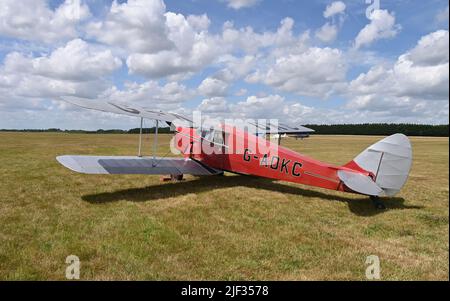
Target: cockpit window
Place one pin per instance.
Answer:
(208, 134)
(212, 135)
(218, 137)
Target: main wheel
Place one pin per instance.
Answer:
(176, 177)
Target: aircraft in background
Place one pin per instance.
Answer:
(380, 170)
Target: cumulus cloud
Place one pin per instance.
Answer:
(33, 20)
(327, 33)
(274, 106)
(214, 106)
(250, 41)
(238, 4)
(195, 50)
(337, 7)
(192, 49)
(431, 49)
(150, 94)
(74, 69)
(315, 71)
(159, 43)
(412, 85)
(137, 25)
(270, 106)
(382, 26)
(213, 87)
(78, 61)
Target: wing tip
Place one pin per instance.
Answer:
(69, 163)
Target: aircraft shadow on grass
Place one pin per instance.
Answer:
(360, 206)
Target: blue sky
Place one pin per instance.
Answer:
(299, 61)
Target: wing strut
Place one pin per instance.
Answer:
(155, 143)
(140, 138)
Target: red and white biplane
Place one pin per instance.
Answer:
(380, 170)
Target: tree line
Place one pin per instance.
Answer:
(163, 130)
(383, 129)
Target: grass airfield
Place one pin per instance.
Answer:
(213, 228)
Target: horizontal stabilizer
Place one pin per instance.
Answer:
(359, 183)
(135, 165)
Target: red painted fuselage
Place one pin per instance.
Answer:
(239, 153)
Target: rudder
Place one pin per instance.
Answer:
(389, 160)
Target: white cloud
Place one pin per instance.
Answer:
(192, 48)
(238, 4)
(291, 112)
(214, 106)
(199, 23)
(313, 72)
(213, 87)
(327, 33)
(74, 69)
(248, 40)
(151, 94)
(195, 50)
(412, 86)
(337, 7)
(431, 49)
(166, 63)
(136, 25)
(235, 68)
(33, 20)
(270, 106)
(382, 26)
(78, 61)
(159, 43)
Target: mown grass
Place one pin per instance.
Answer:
(231, 227)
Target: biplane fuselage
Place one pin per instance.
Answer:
(274, 161)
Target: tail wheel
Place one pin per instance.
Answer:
(378, 203)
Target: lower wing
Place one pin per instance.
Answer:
(135, 165)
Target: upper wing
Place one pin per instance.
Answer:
(126, 109)
(135, 165)
(280, 128)
(137, 111)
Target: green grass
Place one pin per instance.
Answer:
(232, 227)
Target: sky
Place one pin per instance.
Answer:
(302, 62)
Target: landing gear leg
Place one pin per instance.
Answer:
(378, 203)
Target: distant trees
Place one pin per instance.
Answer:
(100, 131)
(383, 129)
(149, 130)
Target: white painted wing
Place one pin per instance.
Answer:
(127, 109)
(135, 165)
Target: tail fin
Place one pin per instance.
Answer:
(389, 160)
